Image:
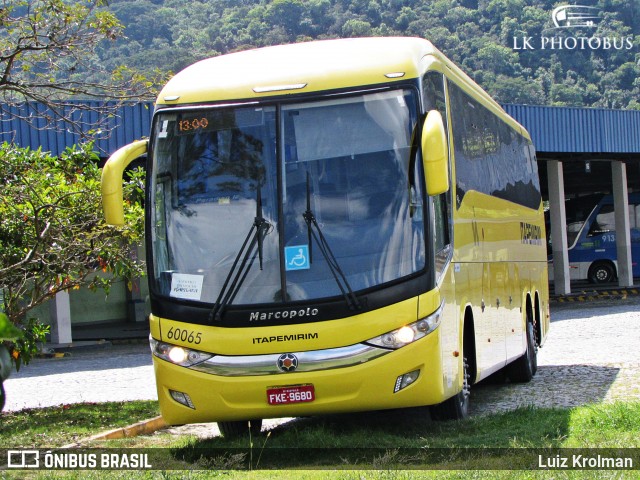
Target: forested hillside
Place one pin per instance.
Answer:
(511, 47)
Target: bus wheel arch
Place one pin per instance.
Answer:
(457, 407)
(601, 271)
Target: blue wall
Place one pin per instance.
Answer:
(579, 130)
(553, 129)
(131, 122)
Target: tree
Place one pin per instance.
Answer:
(8, 333)
(288, 14)
(356, 28)
(517, 90)
(52, 235)
(47, 61)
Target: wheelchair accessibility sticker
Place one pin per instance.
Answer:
(297, 257)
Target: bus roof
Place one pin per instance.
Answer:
(312, 67)
(297, 68)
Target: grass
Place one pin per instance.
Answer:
(65, 424)
(355, 446)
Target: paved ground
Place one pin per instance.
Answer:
(90, 374)
(591, 355)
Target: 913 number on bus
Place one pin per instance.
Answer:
(184, 335)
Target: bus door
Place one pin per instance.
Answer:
(598, 250)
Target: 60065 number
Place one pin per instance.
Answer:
(184, 335)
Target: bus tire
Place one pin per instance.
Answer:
(238, 428)
(456, 407)
(601, 272)
(524, 368)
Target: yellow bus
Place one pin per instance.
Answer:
(335, 226)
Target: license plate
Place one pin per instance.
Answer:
(290, 394)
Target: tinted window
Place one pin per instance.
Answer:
(490, 156)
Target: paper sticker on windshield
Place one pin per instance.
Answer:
(188, 287)
(163, 129)
(297, 257)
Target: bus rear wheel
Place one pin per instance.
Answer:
(525, 367)
(601, 272)
(456, 407)
(238, 428)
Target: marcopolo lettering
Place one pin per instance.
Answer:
(282, 314)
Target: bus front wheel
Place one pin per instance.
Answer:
(239, 428)
(456, 407)
(601, 272)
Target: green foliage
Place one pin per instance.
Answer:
(27, 345)
(53, 236)
(8, 332)
(476, 35)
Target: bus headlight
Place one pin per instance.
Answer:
(409, 333)
(185, 357)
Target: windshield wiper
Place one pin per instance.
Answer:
(313, 229)
(252, 247)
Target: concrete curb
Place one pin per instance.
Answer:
(613, 294)
(144, 427)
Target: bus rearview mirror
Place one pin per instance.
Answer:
(435, 154)
(111, 181)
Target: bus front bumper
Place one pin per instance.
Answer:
(187, 395)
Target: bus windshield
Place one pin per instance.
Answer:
(272, 204)
(577, 210)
